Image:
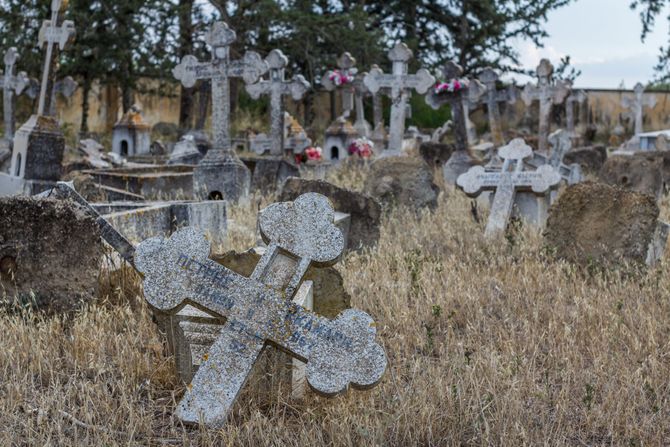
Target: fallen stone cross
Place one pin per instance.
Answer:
(507, 182)
(339, 352)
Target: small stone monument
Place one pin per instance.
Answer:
(561, 143)
(547, 93)
(636, 105)
(221, 174)
(12, 85)
(493, 96)
(339, 352)
(338, 137)
(185, 151)
(131, 135)
(277, 87)
(507, 182)
(398, 86)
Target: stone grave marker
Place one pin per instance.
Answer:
(561, 143)
(579, 97)
(338, 352)
(637, 103)
(398, 86)
(66, 87)
(489, 78)
(343, 79)
(12, 85)
(471, 101)
(221, 173)
(547, 93)
(277, 87)
(507, 182)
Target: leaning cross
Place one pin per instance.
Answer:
(250, 68)
(507, 182)
(637, 103)
(277, 87)
(259, 310)
(399, 85)
(51, 34)
(11, 84)
(338, 79)
(578, 97)
(489, 78)
(547, 95)
(65, 87)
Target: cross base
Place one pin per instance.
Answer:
(221, 175)
(38, 150)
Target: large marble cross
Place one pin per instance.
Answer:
(250, 68)
(278, 87)
(452, 71)
(493, 96)
(12, 84)
(65, 87)
(399, 85)
(342, 79)
(637, 103)
(507, 182)
(548, 94)
(259, 310)
(578, 97)
(54, 36)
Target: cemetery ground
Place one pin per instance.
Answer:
(488, 343)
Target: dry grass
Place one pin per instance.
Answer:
(488, 344)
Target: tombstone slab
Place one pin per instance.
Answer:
(634, 173)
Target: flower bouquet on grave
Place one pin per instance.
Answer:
(363, 147)
(452, 86)
(313, 154)
(338, 78)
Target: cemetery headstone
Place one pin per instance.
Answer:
(277, 87)
(640, 173)
(637, 103)
(185, 151)
(493, 96)
(221, 174)
(579, 98)
(507, 182)
(398, 86)
(66, 87)
(547, 93)
(590, 158)
(338, 353)
(343, 79)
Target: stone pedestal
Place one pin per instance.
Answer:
(38, 150)
(221, 175)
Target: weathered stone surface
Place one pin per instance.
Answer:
(365, 211)
(270, 173)
(597, 223)
(38, 150)
(591, 159)
(638, 173)
(404, 181)
(50, 253)
(458, 163)
(636, 103)
(436, 154)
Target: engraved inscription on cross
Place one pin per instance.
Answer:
(51, 34)
(346, 65)
(277, 87)
(259, 310)
(507, 182)
(12, 84)
(250, 68)
(493, 96)
(637, 103)
(451, 71)
(399, 85)
(547, 94)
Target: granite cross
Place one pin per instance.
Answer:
(493, 96)
(578, 97)
(547, 94)
(259, 310)
(343, 79)
(52, 33)
(360, 91)
(505, 183)
(65, 87)
(561, 143)
(11, 84)
(250, 68)
(399, 85)
(277, 87)
(637, 103)
(475, 93)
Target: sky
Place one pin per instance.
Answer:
(603, 39)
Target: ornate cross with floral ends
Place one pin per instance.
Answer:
(547, 94)
(259, 309)
(507, 182)
(398, 85)
(637, 103)
(277, 87)
(12, 84)
(493, 96)
(343, 78)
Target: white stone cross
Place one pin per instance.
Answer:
(507, 182)
(578, 97)
(66, 87)
(50, 35)
(547, 94)
(342, 79)
(12, 84)
(561, 143)
(399, 84)
(250, 68)
(277, 87)
(493, 96)
(259, 309)
(637, 103)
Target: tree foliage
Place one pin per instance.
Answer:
(649, 11)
